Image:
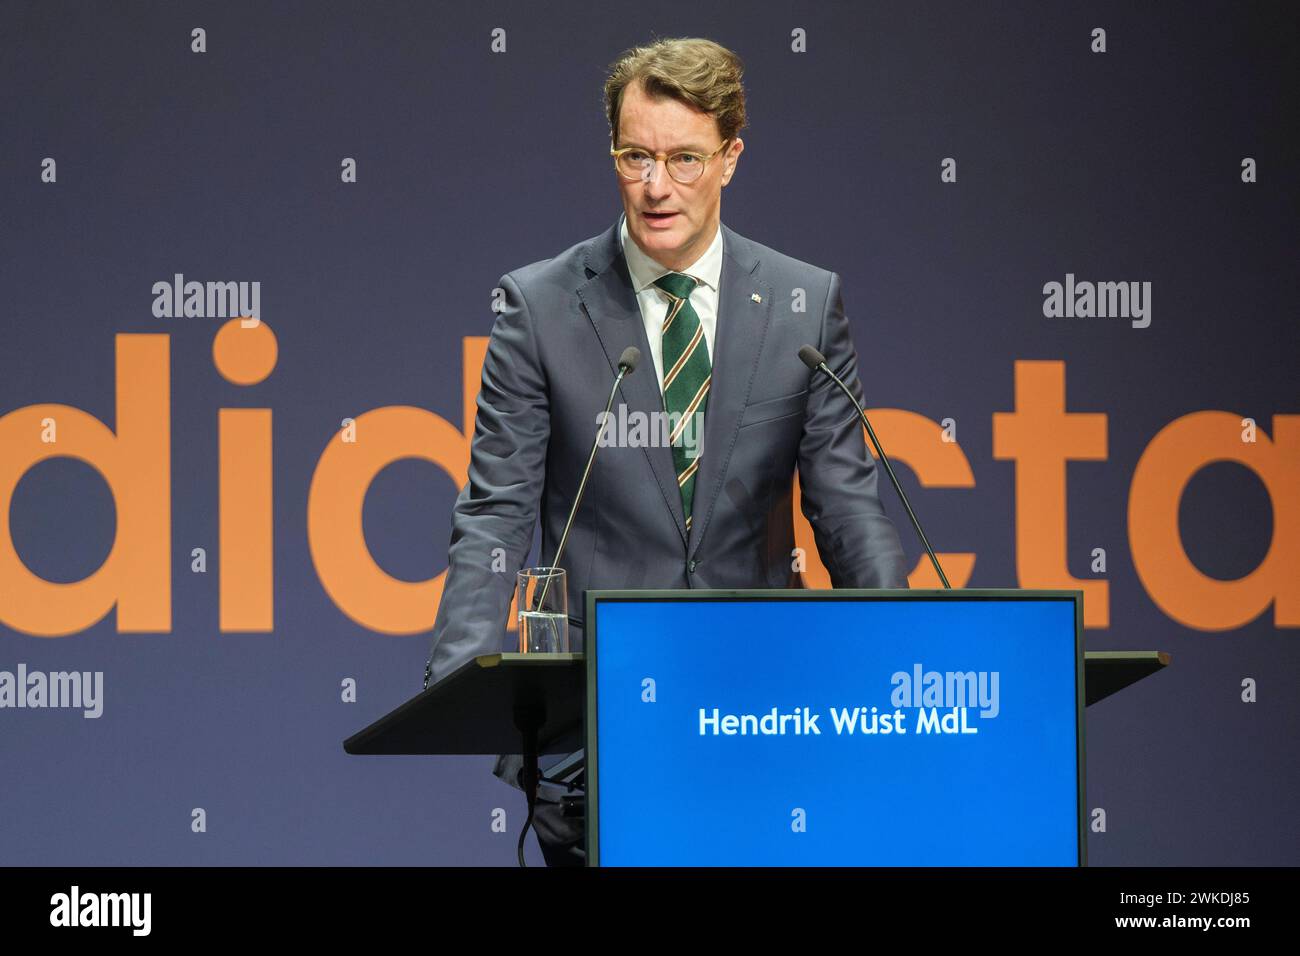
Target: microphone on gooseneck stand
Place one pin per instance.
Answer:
(817, 362)
(626, 366)
(531, 774)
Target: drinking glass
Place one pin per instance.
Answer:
(542, 596)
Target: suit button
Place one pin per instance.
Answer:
(690, 568)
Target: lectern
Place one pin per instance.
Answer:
(807, 728)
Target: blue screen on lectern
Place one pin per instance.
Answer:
(832, 731)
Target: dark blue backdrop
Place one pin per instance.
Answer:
(1121, 165)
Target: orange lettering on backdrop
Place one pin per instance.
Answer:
(1175, 455)
(245, 356)
(347, 570)
(916, 441)
(1041, 436)
(135, 463)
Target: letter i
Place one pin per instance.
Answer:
(245, 356)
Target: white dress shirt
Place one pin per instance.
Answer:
(654, 301)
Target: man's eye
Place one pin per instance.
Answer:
(637, 156)
(686, 159)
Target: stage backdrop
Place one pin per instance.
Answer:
(1067, 237)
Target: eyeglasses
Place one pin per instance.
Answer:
(633, 163)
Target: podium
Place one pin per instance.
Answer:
(488, 705)
(682, 695)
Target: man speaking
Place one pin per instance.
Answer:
(721, 319)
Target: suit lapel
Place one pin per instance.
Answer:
(612, 307)
(738, 343)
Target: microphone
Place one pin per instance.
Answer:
(626, 366)
(627, 363)
(531, 774)
(817, 362)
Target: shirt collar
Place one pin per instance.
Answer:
(645, 270)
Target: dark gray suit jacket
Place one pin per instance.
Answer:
(547, 374)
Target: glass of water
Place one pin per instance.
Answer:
(542, 596)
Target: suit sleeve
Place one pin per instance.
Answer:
(837, 474)
(497, 508)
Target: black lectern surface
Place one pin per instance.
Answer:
(483, 707)
(1106, 672)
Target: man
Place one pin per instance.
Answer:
(721, 319)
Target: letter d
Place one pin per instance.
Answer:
(136, 464)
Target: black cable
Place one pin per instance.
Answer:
(532, 808)
(532, 805)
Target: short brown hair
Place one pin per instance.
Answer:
(697, 72)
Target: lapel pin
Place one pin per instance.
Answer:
(756, 297)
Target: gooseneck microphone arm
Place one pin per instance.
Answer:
(626, 366)
(817, 362)
(530, 775)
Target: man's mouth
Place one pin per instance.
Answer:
(659, 218)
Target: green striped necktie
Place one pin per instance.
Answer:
(687, 371)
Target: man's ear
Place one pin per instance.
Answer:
(729, 159)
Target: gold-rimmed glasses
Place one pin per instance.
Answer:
(685, 166)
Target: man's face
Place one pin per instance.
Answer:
(672, 222)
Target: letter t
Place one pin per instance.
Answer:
(1041, 437)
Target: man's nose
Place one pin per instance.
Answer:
(658, 182)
